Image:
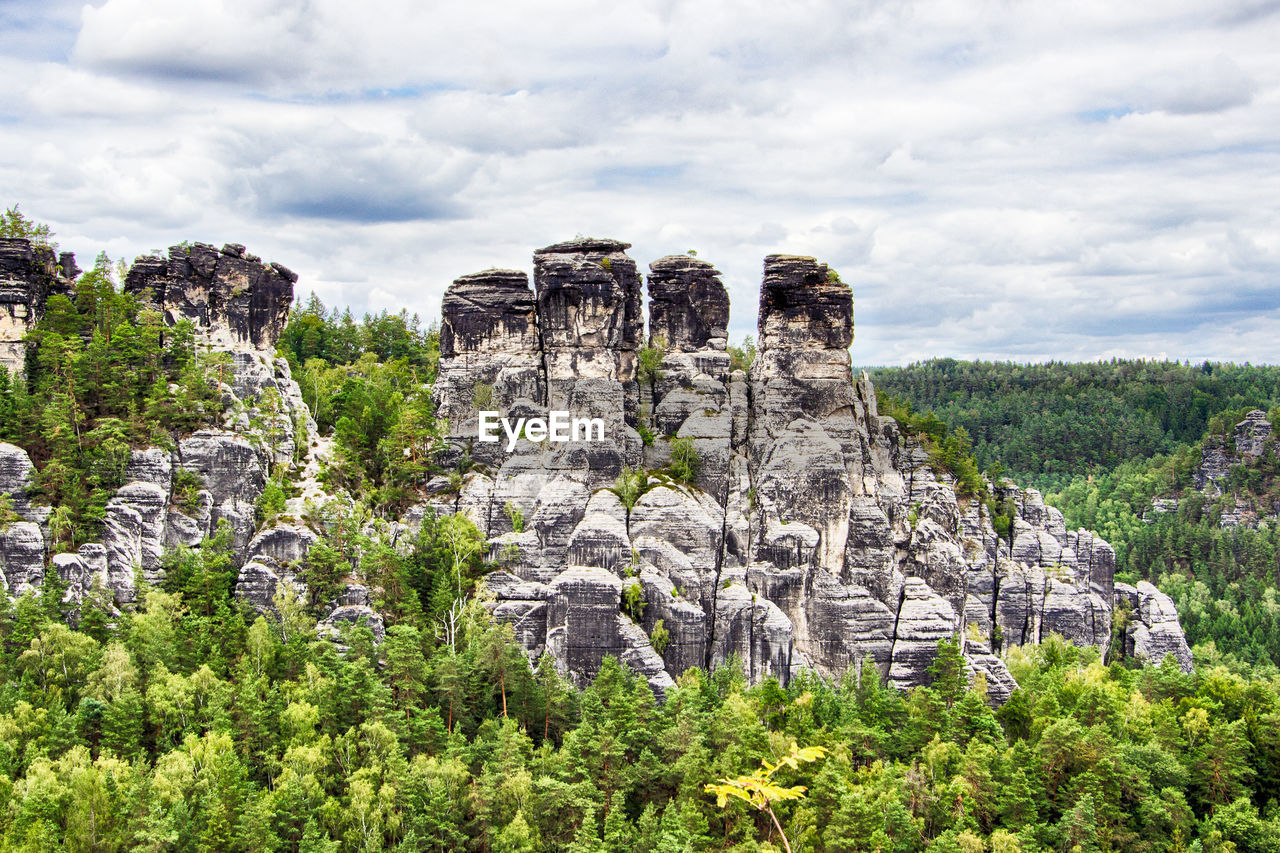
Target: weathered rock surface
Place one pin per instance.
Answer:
(16, 473)
(1153, 630)
(29, 275)
(813, 535)
(231, 297)
(688, 305)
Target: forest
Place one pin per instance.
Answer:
(193, 722)
(1106, 439)
(1047, 423)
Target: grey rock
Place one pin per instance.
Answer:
(924, 618)
(16, 475)
(133, 536)
(1154, 631)
(1252, 435)
(755, 630)
(351, 615)
(688, 304)
(234, 301)
(21, 557)
(29, 275)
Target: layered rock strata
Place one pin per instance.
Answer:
(231, 297)
(29, 274)
(813, 535)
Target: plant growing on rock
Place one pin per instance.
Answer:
(684, 460)
(629, 486)
(515, 515)
(633, 603)
(649, 361)
(660, 638)
(482, 396)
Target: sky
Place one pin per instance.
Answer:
(1002, 180)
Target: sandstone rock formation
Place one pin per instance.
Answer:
(231, 297)
(814, 534)
(29, 275)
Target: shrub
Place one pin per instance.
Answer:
(633, 603)
(684, 460)
(649, 369)
(660, 638)
(186, 490)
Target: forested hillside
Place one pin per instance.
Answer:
(199, 720)
(1046, 423)
(1108, 439)
(1213, 544)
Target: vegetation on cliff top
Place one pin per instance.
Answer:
(102, 376)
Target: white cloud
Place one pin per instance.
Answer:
(1006, 180)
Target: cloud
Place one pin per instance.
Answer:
(994, 180)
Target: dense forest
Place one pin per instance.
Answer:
(1046, 423)
(194, 722)
(1107, 439)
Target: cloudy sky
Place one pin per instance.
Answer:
(995, 179)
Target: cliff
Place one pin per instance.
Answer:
(29, 275)
(812, 535)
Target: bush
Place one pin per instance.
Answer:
(660, 638)
(270, 503)
(741, 358)
(633, 603)
(187, 486)
(649, 369)
(684, 460)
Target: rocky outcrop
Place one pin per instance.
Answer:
(1249, 441)
(1153, 630)
(29, 274)
(813, 535)
(233, 299)
(807, 533)
(688, 305)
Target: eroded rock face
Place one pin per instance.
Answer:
(814, 535)
(688, 305)
(1153, 630)
(29, 275)
(231, 297)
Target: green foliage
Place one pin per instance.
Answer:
(633, 603)
(186, 485)
(649, 361)
(741, 358)
(660, 637)
(383, 419)
(515, 516)
(482, 396)
(14, 224)
(950, 450)
(646, 434)
(102, 377)
(336, 338)
(270, 503)
(196, 720)
(629, 486)
(1048, 423)
(369, 383)
(684, 460)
